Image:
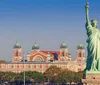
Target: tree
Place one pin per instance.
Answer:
(51, 73)
(7, 76)
(78, 76)
(62, 76)
(31, 76)
(2, 61)
(65, 76)
(35, 76)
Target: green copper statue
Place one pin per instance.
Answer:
(93, 48)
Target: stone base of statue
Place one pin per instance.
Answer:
(91, 78)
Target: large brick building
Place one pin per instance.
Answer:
(40, 60)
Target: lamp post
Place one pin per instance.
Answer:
(24, 68)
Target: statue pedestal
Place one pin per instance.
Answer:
(91, 78)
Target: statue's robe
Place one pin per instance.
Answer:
(93, 48)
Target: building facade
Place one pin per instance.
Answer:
(40, 60)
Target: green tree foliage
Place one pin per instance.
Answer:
(31, 76)
(62, 76)
(78, 76)
(7, 76)
(65, 76)
(2, 61)
(51, 73)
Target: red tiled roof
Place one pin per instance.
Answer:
(51, 52)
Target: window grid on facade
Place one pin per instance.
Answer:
(9, 66)
(14, 66)
(38, 66)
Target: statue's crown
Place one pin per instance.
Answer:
(93, 20)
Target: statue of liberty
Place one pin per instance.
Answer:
(93, 48)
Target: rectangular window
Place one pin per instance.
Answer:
(32, 65)
(38, 66)
(2, 65)
(26, 65)
(20, 65)
(9, 66)
(15, 66)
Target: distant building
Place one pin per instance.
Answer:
(40, 60)
(17, 53)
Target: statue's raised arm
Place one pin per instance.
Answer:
(87, 13)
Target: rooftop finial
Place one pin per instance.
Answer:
(17, 42)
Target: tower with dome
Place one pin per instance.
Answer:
(17, 53)
(40, 60)
(64, 54)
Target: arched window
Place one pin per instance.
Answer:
(79, 54)
(38, 58)
(16, 52)
(62, 53)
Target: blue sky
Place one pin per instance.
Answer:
(48, 22)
